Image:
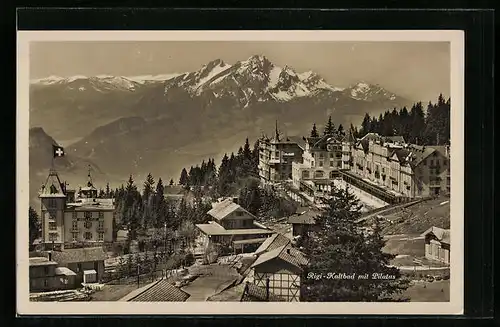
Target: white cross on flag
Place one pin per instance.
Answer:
(58, 151)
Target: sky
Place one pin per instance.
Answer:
(416, 70)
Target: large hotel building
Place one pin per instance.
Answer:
(73, 218)
(386, 167)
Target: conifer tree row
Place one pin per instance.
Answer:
(429, 127)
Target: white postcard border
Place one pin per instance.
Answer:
(455, 306)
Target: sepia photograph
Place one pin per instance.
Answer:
(310, 169)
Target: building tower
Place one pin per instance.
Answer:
(53, 202)
(89, 191)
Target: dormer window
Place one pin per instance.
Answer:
(53, 189)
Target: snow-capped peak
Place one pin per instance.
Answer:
(366, 91)
(47, 80)
(75, 78)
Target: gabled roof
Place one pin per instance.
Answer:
(224, 208)
(162, 291)
(254, 293)
(79, 255)
(322, 141)
(272, 242)
(421, 156)
(307, 217)
(371, 137)
(53, 186)
(286, 253)
(443, 235)
(41, 261)
(301, 142)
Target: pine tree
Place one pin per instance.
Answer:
(132, 208)
(183, 180)
(339, 246)
(108, 191)
(340, 130)
(366, 126)
(224, 176)
(329, 127)
(250, 197)
(171, 182)
(314, 131)
(34, 227)
(159, 205)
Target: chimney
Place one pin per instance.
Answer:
(288, 251)
(50, 255)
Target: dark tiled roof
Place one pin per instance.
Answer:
(254, 293)
(299, 140)
(273, 242)
(286, 253)
(163, 291)
(79, 255)
(308, 217)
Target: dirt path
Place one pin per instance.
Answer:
(213, 279)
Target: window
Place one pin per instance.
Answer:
(305, 174)
(432, 162)
(53, 237)
(52, 203)
(46, 270)
(339, 164)
(331, 163)
(74, 215)
(88, 224)
(74, 224)
(78, 267)
(74, 236)
(312, 163)
(88, 235)
(45, 282)
(52, 225)
(100, 236)
(318, 174)
(88, 214)
(321, 163)
(331, 155)
(101, 223)
(321, 155)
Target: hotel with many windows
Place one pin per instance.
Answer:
(74, 219)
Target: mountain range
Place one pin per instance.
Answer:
(160, 124)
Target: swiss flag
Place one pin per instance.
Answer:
(58, 151)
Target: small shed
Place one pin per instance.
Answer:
(303, 221)
(437, 244)
(89, 276)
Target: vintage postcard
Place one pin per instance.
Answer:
(319, 171)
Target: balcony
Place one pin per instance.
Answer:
(101, 229)
(75, 229)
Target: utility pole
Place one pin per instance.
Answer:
(165, 251)
(138, 271)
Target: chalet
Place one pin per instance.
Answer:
(83, 261)
(278, 267)
(437, 244)
(45, 275)
(232, 227)
(303, 221)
